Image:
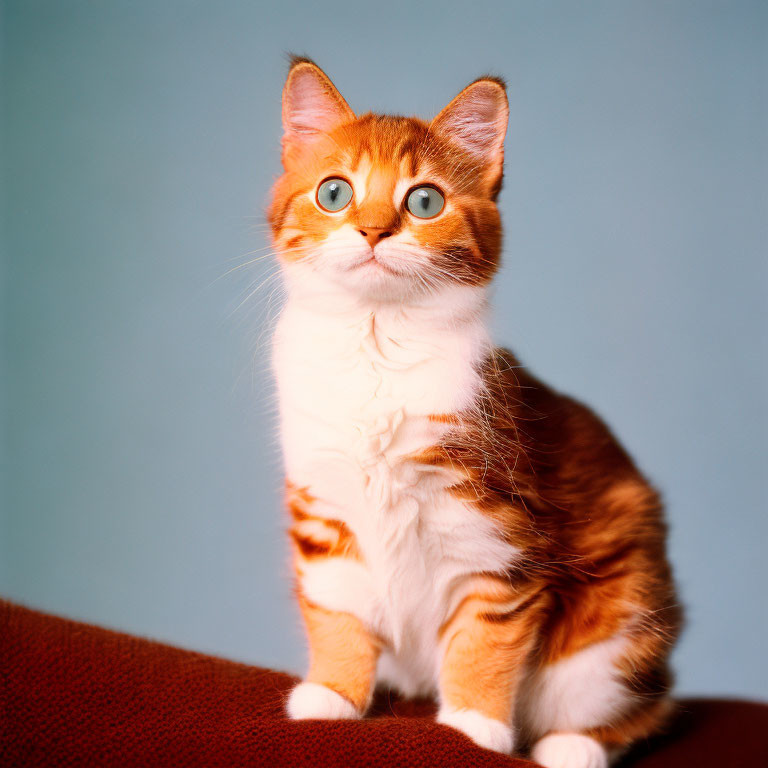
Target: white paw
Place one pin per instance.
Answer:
(484, 731)
(310, 701)
(569, 750)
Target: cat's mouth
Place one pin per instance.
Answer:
(372, 263)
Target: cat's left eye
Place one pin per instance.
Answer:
(425, 202)
(334, 194)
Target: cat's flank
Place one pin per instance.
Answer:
(459, 528)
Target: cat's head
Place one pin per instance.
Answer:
(388, 208)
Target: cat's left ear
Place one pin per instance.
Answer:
(311, 105)
(476, 120)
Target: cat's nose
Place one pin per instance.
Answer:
(374, 234)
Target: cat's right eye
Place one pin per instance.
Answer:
(334, 194)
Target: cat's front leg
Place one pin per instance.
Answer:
(331, 586)
(342, 667)
(486, 644)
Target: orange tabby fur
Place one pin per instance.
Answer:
(539, 464)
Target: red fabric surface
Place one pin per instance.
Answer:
(73, 694)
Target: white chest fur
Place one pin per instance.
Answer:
(357, 387)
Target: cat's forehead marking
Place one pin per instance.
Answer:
(372, 179)
(359, 180)
(402, 187)
(394, 142)
(387, 167)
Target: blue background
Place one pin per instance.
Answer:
(140, 474)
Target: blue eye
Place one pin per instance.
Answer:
(425, 202)
(334, 194)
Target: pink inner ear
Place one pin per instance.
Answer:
(477, 120)
(310, 107)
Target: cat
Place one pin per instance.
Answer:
(459, 529)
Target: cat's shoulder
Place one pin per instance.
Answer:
(543, 415)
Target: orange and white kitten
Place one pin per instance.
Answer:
(459, 528)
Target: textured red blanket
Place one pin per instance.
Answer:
(74, 694)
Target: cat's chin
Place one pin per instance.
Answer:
(375, 283)
(368, 286)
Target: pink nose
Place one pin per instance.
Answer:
(374, 234)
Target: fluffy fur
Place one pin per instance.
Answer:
(459, 528)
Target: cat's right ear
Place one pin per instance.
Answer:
(312, 106)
